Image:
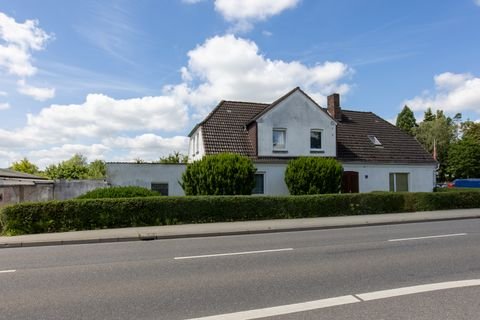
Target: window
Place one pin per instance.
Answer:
(316, 139)
(162, 188)
(279, 139)
(197, 143)
(398, 182)
(374, 140)
(259, 184)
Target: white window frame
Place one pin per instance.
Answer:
(395, 181)
(321, 139)
(198, 143)
(284, 147)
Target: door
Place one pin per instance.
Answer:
(350, 182)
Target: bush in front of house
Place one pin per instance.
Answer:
(313, 175)
(119, 192)
(78, 214)
(220, 174)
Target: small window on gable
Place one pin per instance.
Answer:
(161, 188)
(316, 139)
(374, 140)
(279, 139)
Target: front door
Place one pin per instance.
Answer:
(350, 182)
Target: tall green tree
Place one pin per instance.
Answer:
(72, 169)
(464, 159)
(97, 169)
(471, 130)
(25, 166)
(439, 131)
(428, 116)
(406, 120)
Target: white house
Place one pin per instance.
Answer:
(376, 155)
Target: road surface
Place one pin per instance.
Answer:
(274, 276)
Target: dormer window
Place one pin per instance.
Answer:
(374, 140)
(279, 138)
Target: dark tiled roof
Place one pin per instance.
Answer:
(7, 173)
(354, 145)
(224, 130)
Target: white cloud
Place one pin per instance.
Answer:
(227, 67)
(243, 13)
(148, 147)
(267, 33)
(54, 155)
(37, 93)
(3, 94)
(4, 106)
(18, 40)
(477, 2)
(223, 67)
(455, 92)
(7, 157)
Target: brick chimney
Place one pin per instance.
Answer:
(333, 108)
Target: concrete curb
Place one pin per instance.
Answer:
(231, 228)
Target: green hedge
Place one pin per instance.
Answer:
(119, 192)
(58, 216)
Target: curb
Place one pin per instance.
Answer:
(153, 236)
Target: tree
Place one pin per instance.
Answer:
(464, 159)
(428, 116)
(175, 157)
(313, 175)
(74, 168)
(471, 130)
(221, 174)
(439, 131)
(406, 120)
(25, 166)
(97, 169)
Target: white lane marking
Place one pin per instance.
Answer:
(418, 289)
(430, 237)
(337, 301)
(7, 271)
(281, 310)
(232, 254)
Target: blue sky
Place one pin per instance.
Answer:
(119, 80)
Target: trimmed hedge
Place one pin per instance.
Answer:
(59, 216)
(119, 192)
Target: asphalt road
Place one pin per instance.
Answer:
(199, 277)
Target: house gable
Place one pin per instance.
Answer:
(295, 116)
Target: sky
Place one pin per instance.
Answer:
(124, 80)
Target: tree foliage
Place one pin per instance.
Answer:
(464, 159)
(471, 130)
(406, 120)
(313, 175)
(439, 131)
(175, 157)
(25, 166)
(221, 174)
(75, 168)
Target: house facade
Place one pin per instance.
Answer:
(376, 156)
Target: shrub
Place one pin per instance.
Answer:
(221, 174)
(313, 175)
(119, 192)
(59, 216)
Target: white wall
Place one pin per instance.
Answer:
(375, 177)
(194, 156)
(298, 115)
(274, 178)
(143, 174)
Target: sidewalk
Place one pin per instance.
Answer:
(230, 228)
